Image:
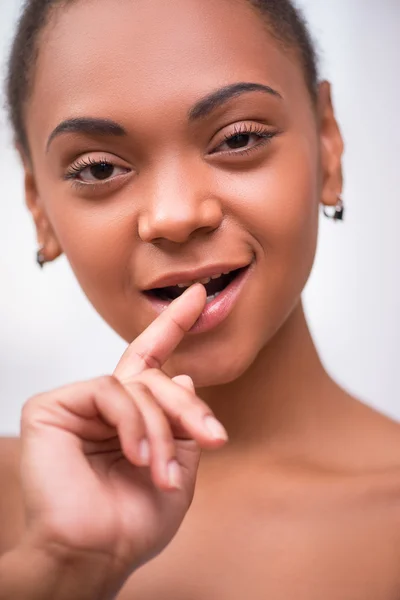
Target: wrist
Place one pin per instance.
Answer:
(31, 573)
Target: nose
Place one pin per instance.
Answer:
(179, 207)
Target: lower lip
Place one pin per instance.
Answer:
(217, 310)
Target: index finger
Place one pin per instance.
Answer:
(154, 346)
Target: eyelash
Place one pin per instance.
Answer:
(81, 164)
(264, 135)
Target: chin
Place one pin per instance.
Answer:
(223, 356)
(215, 365)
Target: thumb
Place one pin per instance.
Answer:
(185, 381)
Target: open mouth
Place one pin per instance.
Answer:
(214, 286)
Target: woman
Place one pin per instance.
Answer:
(166, 144)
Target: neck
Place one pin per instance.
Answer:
(282, 398)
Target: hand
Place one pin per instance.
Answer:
(109, 465)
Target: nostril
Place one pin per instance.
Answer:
(179, 220)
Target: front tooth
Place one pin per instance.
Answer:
(216, 276)
(205, 280)
(186, 284)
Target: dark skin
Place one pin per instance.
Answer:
(303, 501)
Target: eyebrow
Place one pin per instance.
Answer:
(202, 108)
(209, 103)
(88, 125)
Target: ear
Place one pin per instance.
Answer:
(46, 237)
(331, 147)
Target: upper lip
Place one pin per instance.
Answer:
(193, 275)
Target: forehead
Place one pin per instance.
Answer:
(144, 53)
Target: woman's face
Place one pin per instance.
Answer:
(184, 181)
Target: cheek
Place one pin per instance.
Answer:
(278, 202)
(97, 237)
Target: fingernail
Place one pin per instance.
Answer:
(144, 452)
(174, 475)
(215, 428)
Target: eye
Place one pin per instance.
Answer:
(244, 138)
(90, 171)
(240, 140)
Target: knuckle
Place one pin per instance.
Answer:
(149, 360)
(31, 406)
(106, 383)
(138, 388)
(187, 396)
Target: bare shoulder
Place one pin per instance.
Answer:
(11, 507)
(383, 438)
(372, 448)
(368, 439)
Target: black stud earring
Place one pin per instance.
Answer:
(338, 215)
(40, 258)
